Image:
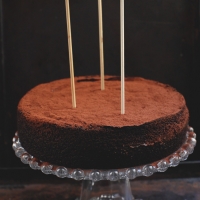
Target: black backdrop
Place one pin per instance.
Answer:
(161, 43)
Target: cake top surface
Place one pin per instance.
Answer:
(145, 101)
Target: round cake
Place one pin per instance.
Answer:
(95, 135)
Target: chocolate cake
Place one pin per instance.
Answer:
(95, 135)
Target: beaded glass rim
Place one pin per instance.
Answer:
(112, 174)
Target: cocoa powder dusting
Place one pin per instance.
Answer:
(145, 101)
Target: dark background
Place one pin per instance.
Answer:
(162, 43)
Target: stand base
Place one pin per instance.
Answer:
(106, 190)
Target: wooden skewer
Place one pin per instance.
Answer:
(101, 44)
(122, 57)
(71, 64)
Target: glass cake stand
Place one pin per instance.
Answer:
(118, 178)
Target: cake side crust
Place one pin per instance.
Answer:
(106, 149)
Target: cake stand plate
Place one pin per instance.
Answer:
(121, 176)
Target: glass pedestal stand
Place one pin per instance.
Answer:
(106, 190)
(117, 186)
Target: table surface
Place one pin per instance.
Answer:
(165, 189)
